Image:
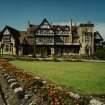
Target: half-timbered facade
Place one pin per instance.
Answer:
(9, 41)
(47, 39)
(98, 41)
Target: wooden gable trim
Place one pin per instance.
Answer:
(45, 20)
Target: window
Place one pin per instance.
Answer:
(6, 38)
(7, 48)
(87, 39)
(66, 32)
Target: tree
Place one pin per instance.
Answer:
(100, 52)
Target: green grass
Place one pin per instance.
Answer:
(83, 77)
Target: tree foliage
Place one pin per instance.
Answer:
(100, 52)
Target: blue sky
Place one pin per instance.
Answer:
(17, 13)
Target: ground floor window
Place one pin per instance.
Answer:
(43, 51)
(7, 48)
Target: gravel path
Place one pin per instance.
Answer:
(1, 101)
(7, 96)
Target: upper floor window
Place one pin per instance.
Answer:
(45, 32)
(87, 38)
(58, 32)
(65, 32)
(7, 48)
(45, 25)
(6, 32)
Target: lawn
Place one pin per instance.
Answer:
(83, 77)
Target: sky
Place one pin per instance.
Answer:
(17, 13)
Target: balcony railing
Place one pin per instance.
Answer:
(42, 43)
(62, 34)
(76, 43)
(44, 34)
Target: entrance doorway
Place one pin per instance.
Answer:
(48, 51)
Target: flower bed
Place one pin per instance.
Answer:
(44, 92)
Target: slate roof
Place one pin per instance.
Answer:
(60, 27)
(15, 33)
(97, 36)
(45, 20)
(86, 25)
(33, 28)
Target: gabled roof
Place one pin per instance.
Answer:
(97, 36)
(15, 33)
(86, 25)
(66, 27)
(45, 20)
(32, 27)
(60, 27)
